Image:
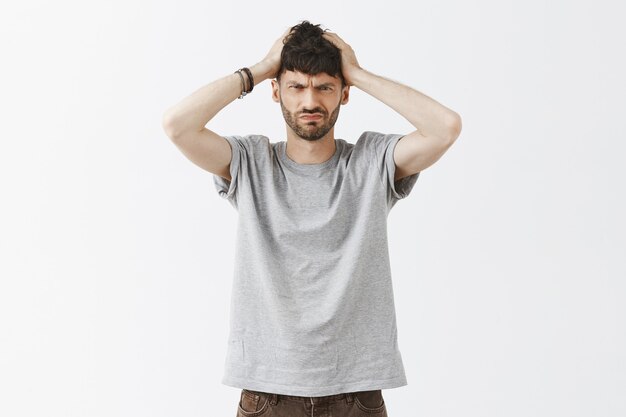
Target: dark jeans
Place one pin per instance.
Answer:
(351, 404)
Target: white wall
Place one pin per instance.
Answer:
(116, 251)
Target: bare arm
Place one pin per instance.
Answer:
(437, 126)
(184, 123)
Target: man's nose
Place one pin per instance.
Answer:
(309, 98)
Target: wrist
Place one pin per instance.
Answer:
(357, 77)
(261, 71)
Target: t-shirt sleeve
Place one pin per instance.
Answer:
(228, 189)
(382, 146)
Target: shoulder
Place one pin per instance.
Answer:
(375, 142)
(250, 139)
(248, 143)
(367, 135)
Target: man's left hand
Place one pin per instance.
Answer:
(349, 63)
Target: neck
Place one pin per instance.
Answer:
(304, 151)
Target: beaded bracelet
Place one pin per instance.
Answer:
(250, 79)
(245, 90)
(243, 85)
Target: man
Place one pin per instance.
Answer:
(313, 327)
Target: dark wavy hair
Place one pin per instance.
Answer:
(305, 50)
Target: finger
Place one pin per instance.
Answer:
(332, 38)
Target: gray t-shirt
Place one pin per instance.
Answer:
(312, 308)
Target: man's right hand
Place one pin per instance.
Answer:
(185, 123)
(272, 59)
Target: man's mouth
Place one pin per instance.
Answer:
(315, 116)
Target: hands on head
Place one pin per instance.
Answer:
(349, 62)
(273, 56)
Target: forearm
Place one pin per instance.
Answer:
(427, 115)
(195, 111)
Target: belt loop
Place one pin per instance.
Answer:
(273, 399)
(349, 397)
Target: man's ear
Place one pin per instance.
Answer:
(275, 91)
(345, 94)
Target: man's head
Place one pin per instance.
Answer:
(310, 82)
(306, 50)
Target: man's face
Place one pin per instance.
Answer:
(310, 103)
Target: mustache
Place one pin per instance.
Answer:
(320, 111)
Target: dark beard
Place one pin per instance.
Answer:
(309, 134)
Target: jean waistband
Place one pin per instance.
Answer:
(347, 396)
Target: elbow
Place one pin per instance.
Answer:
(167, 124)
(454, 125)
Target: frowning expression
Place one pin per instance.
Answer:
(310, 103)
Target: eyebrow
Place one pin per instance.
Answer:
(296, 83)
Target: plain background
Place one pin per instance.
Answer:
(117, 252)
